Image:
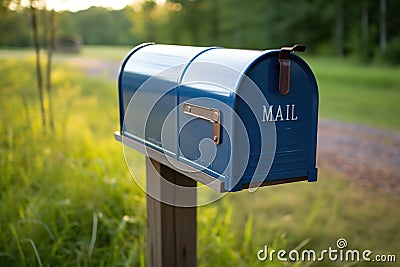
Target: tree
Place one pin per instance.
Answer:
(35, 6)
(5, 5)
(35, 30)
(382, 30)
(339, 28)
(51, 35)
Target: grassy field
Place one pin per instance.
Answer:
(59, 189)
(67, 198)
(353, 93)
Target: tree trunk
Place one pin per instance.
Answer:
(382, 31)
(364, 23)
(39, 79)
(364, 49)
(215, 21)
(238, 37)
(50, 47)
(339, 31)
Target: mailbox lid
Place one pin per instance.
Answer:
(294, 116)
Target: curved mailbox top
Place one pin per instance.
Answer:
(147, 60)
(246, 118)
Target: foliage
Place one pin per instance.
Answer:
(326, 27)
(97, 26)
(392, 54)
(15, 29)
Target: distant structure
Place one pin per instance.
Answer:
(68, 44)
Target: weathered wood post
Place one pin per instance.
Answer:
(171, 230)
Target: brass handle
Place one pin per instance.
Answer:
(211, 114)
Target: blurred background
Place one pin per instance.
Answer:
(365, 29)
(67, 197)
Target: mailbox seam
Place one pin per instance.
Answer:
(178, 87)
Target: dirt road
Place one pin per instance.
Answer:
(370, 157)
(95, 67)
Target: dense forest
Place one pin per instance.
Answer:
(365, 29)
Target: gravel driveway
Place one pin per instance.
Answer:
(369, 156)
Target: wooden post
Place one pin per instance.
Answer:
(171, 230)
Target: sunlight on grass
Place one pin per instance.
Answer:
(52, 184)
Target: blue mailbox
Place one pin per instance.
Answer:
(229, 118)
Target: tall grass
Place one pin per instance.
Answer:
(66, 198)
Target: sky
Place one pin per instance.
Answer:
(75, 5)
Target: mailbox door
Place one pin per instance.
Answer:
(294, 116)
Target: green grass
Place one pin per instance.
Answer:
(58, 189)
(359, 94)
(68, 199)
(117, 53)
